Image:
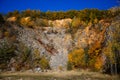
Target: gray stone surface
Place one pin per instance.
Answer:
(56, 43)
(52, 41)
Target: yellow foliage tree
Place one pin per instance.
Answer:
(98, 63)
(95, 60)
(109, 53)
(76, 58)
(26, 22)
(76, 22)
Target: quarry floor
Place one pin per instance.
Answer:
(61, 75)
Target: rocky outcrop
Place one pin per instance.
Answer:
(51, 41)
(60, 23)
(56, 43)
(12, 19)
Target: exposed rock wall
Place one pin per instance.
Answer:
(60, 23)
(51, 41)
(57, 43)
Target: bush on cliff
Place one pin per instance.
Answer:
(40, 61)
(7, 51)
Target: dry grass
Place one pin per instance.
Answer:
(67, 75)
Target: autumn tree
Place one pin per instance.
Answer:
(76, 58)
(112, 48)
(27, 22)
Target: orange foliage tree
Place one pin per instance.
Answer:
(76, 58)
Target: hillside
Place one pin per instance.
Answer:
(60, 41)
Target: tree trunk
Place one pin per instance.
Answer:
(115, 68)
(111, 68)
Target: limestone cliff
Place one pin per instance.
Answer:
(56, 42)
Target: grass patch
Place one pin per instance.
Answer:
(68, 75)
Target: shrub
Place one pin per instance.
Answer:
(23, 59)
(36, 58)
(76, 58)
(41, 22)
(98, 63)
(6, 34)
(60, 68)
(76, 22)
(44, 63)
(69, 66)
(6, 53)
(40, 61)
(26, 22)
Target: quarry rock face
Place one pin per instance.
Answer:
(53, 42)
(56, 43)
(86, 37)
(60, 23)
